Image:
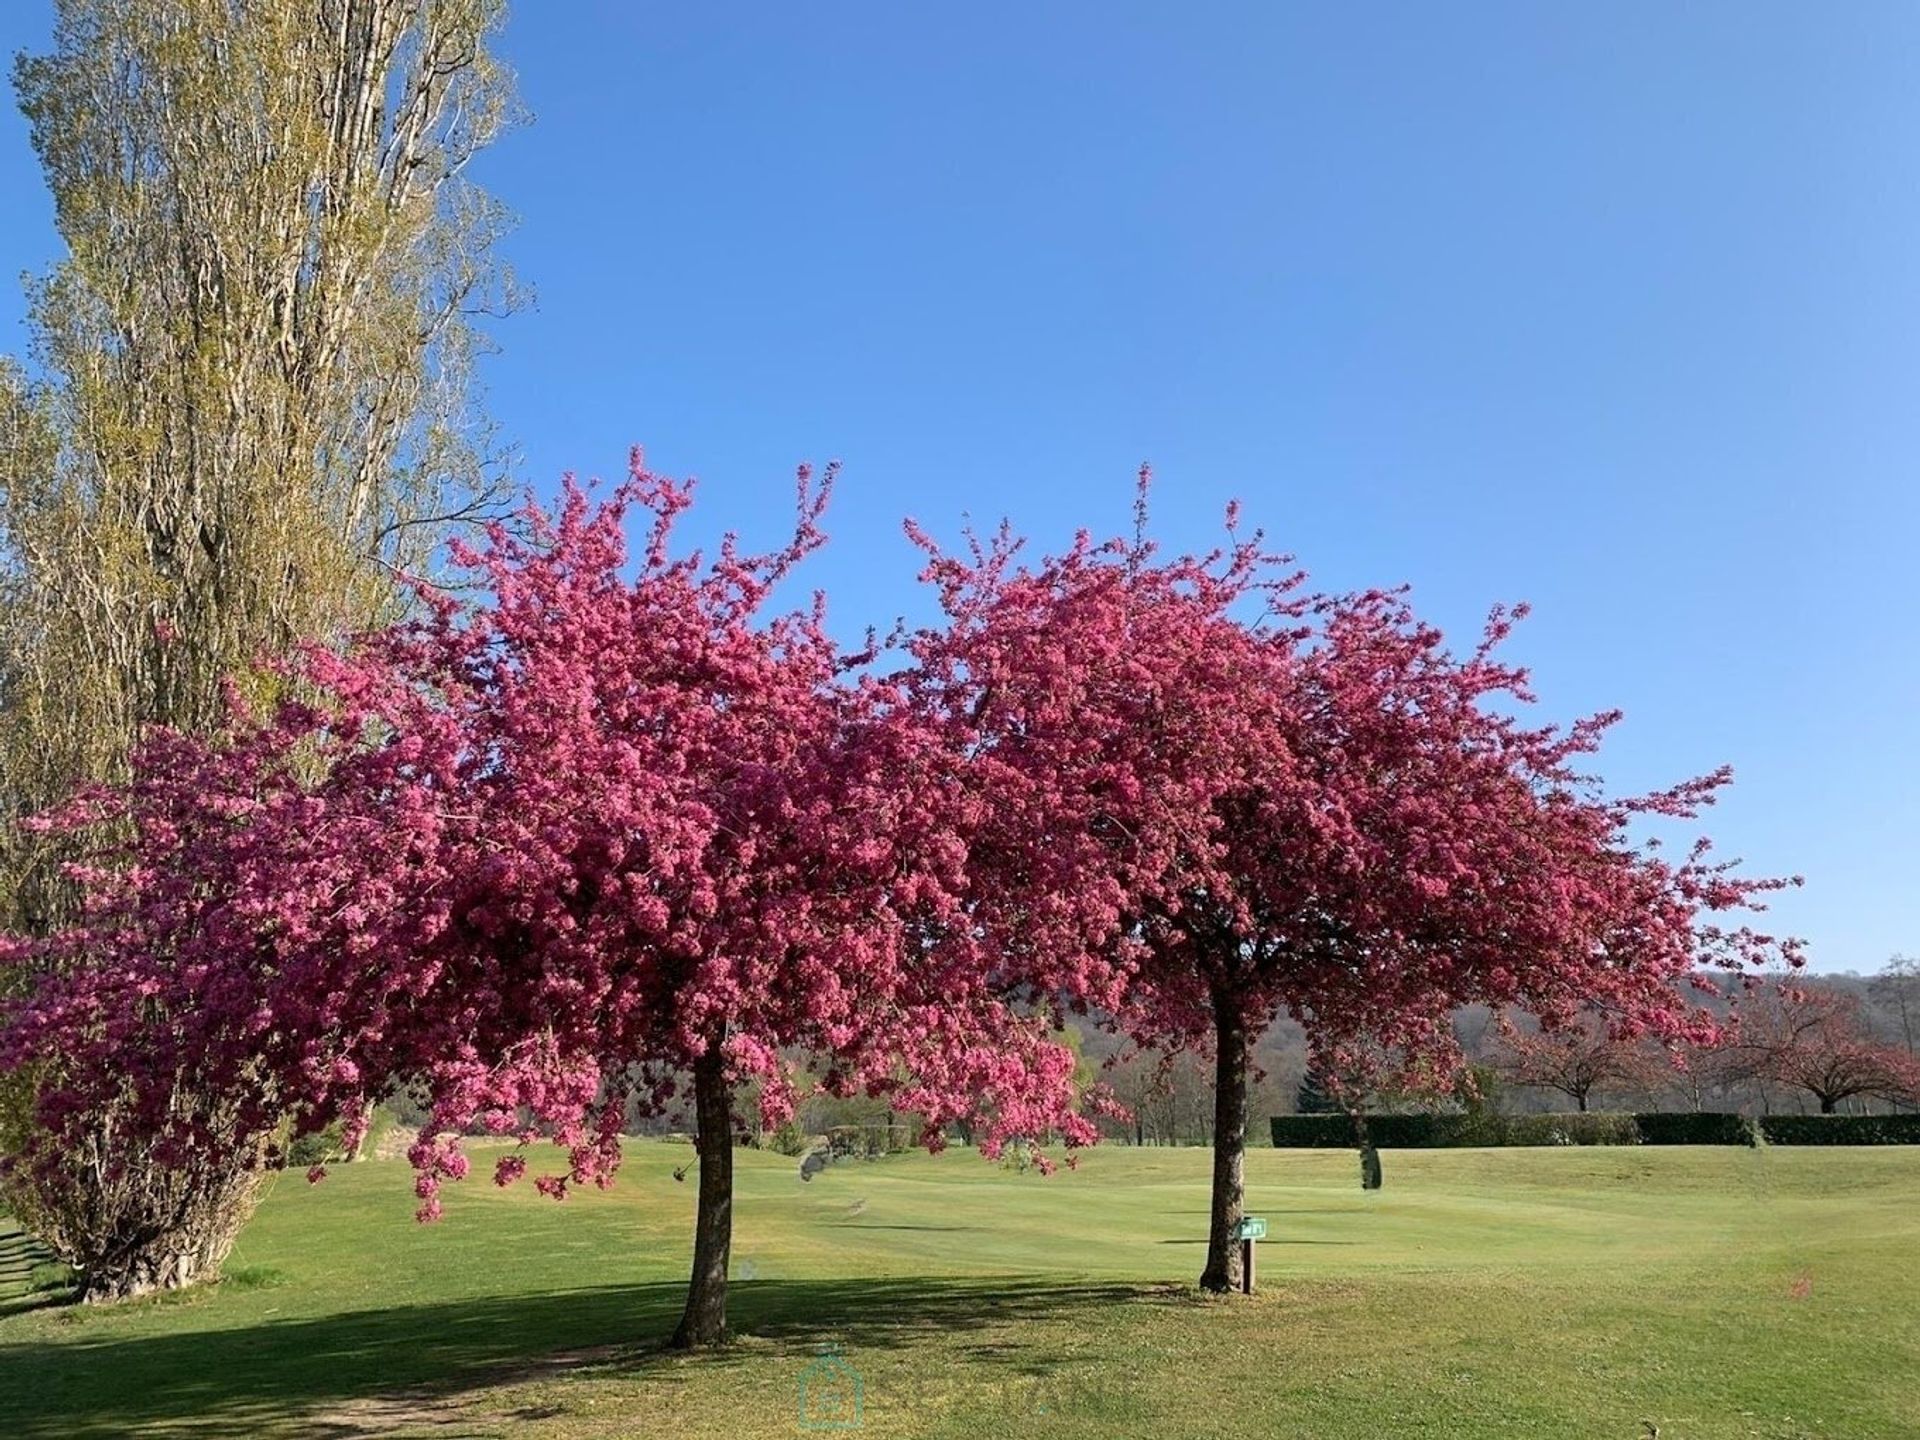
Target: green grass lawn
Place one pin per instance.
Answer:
(1575, 1293)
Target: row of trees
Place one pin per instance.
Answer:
(592, 830)
(606, 827)
(1807, 1039)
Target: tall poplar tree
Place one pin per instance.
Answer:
(247, 406)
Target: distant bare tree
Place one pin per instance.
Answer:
(1167, 1095)
(1898, 986)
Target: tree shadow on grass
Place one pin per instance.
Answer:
(21, 1258)
(289, 1372)
(1270, 1240)
(937, 1229)
(1357, 1208)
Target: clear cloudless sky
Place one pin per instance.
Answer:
(1615, 309)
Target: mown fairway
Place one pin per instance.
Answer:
(1571, 1293)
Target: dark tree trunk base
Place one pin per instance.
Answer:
(130, 1225)
(153, 1272)
(704, 1324)
(1223, 1275)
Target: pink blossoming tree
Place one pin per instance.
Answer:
(1818, 1040)
(208, 991)
(564, 847)
(1217, 796)
(1583, 1056)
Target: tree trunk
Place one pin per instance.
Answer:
(189, 1252)
(163, 1266)
(148, 1227)
(1229, 1147)
(1827, 1105)
(1581, 1101)
(358, 1150)
(705, 1320)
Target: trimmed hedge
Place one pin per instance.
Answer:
(1841, 1129)
(1428, 1132)
(1587, 1128)
(1315, 1132)
(1696, 1127)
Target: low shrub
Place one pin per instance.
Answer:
(1313, 1132)
(324, 1147)
(1841, 1129)
(305, 1151)
(1470, 1128)
(1387, 1132)
(789, 1139)
(1420, 1132)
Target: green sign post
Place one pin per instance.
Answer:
(1250, 1229)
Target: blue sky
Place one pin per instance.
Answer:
(1614, 309)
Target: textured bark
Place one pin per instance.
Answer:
(1229, 1148)
(705, 1320)
(145, 1227)
(172, 1261)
